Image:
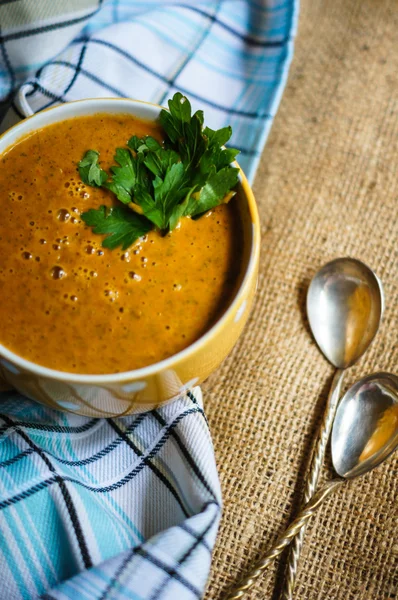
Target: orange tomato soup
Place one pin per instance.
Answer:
(69, 304)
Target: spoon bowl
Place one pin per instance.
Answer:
(365, 429)
(344, 306)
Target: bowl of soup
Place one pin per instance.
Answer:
(100, 331)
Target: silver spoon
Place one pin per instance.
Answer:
(365, 433)
(344, 306)
(345, 303)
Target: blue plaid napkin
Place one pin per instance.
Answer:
(126, 508)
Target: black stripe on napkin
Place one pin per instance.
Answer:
(84, 461)
(45, 427)
(195, 535)
(77, 70)
(109, 488)
(165, 80)
(16, 458)
(191, 396)
(154, 561)
(16, 35)
(153, 467)
(118, 573)
(60, 98)
(134, 551)
(116, 442)
(186, 454)
(65, 494)
(174, 571)
(247, 39)
(38, 487)
(211, 20)
(36, 86)
(168, 570)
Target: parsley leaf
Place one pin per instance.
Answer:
(160, 161)
(179, 114)
(212, 193)
(90, 171)
(167, 193)
(184, 130)
(170, 191)
(187, 175)
(215, 154)
(124, 176)
(219, 137)
(121, 225)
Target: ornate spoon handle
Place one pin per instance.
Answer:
(308, 511)
(317, 459)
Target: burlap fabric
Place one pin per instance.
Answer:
(327, 187)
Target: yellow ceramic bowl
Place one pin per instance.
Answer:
(142, 389)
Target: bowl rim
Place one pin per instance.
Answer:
(184, 354)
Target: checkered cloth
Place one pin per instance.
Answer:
(126, 508)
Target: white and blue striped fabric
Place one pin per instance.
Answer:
(126, 508)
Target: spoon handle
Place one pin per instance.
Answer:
(311, 483)
(294, 528)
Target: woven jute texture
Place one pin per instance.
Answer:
(327, 187)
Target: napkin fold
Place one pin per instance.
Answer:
(106, 508)
(126, 508)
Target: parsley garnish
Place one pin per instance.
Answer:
(187, 176)
(121, 226)
(90, 171)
